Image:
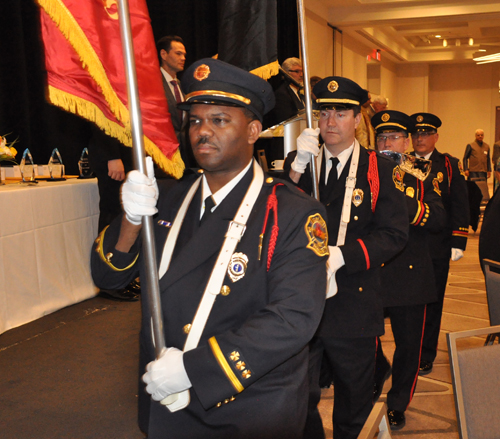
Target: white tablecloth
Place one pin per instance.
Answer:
(46, 233)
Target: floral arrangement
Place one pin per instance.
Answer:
(7, 151)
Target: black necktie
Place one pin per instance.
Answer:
(209, 204)
(332, 179)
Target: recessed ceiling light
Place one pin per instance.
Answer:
(482, 50)
(438, 36)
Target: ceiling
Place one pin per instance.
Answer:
(407, 30)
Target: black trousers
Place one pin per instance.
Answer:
(407, 324)
(352, 362)
(435, 311)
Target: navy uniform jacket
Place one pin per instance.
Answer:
(408, 277)
(452, 186)
(372, 238)
(249, 369)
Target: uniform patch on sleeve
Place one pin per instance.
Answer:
(317, 233)
(397, 177)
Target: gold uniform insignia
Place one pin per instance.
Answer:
(397, 177)
(385, 117)
(420, 118)
(333, 86)
(410, 192)
(201, 72)
(440, 177)
(435, 183)
(317, 234)
(357, 197)
(238, 266)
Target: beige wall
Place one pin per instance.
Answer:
(320, 45)
(464, 96)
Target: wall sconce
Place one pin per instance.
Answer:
(445, 43)
(471, 41)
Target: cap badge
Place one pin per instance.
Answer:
(201, 72)
(333, 86)
(385, 117)
(357, 197)
(420, 118)
(317, 234)
(238, 266)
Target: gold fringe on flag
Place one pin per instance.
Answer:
(265, 72)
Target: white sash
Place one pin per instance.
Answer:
(235, 231)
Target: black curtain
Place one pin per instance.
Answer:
(24, 113)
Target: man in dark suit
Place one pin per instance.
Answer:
(407, 278)
(451, 240)
(172, 55)
(289, 100)
(247, 375)
(367, 225)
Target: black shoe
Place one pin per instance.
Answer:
(379, 384)
(134, 286)
(425, 367)
(397, 419)
(119, 295)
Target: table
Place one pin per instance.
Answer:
(46, 233)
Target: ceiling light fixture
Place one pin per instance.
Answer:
(471, 41)
(438, 36)
(494, 57)
(445, 43)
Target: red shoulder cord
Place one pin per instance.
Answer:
(421, 184)
(373, 178)
(449, 172)
(272, 203)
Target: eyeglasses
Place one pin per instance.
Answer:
(423, 134)
(296, 71)
(383, 139)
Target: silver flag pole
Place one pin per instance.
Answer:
(307, 87)
(148, 248)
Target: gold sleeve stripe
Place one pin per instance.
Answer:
(107, 260)
(225, 365)
(419, 211)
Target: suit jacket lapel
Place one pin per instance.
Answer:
(172, 106)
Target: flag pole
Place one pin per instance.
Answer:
(148, 248)
(307, 87)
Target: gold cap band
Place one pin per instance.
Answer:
(218, 93)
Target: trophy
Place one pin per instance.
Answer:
(84, 165)
(27, 167)
(56, 167)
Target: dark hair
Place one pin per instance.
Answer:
(165, 43)
(356, 110)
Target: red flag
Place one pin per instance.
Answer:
(86, 72)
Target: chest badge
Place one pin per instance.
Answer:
(410, 192)
(238, 266)
(357, 197)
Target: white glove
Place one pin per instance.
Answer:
(307, 144)
(166, 375)
(140, 194)
(335, 261)
(456, 254)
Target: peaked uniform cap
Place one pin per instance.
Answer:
(339, 92)
(211, 81)
(391, 120)
(426, 121)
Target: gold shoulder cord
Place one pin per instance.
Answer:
(106, 258)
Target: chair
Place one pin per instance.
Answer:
(476, 385)
(377, 424)
(492, 279)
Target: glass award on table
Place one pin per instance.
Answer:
(84, 165)
(56, 167)
(27, 168)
